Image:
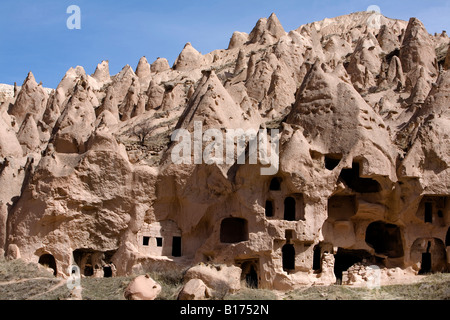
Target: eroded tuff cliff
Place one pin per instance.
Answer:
(87, 177)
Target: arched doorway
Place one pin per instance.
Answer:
(426, 261)
(275, 184)
(107, 272)
(289, 209)
(49, 261)
(317, 258)
(430, 253)
(250, 273)
(288, 252)
(269, 208)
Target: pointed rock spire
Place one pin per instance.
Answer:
(140, 107)
(251, 65)
(188, 59)
(32, 98)
(387, 39)
(9, 145)
(364, 60)
(395, 74)
(28, 135)
(333, 114)
(143, 68)
(241, 62)
(101, 73)
(130, 101)
(155, 94)
(267, 31)
(417, 51)
(118, 91)
(237, 40)
(77, 121)
(274, 26)
(159, 65)
(258, 31)
(212, 104)
(421, 89)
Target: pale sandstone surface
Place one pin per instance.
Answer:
(142, 288)
(87, 178)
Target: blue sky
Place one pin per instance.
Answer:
(34, 36)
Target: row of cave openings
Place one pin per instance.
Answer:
(90, 262)
(293, 204)
(176, 244)
(383, 237)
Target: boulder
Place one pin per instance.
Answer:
(220, 278)
(142, 288)
(194, 289)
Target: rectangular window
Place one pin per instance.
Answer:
(428, 212)
(145, 241)
(176, 247)
(159, 242)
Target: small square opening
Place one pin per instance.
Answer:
(159, 242)
(145, 241)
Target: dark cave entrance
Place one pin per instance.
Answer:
(317, 258)
(176, 246)
(88, 271)
(289, 209)
(288, 252)
(332, 161)
(233, 230)
(385, 238)
(355, 182)
(426, 261)
(345, 258)
(269, 208)
(251, 278)
(275, 184)
(49, 261)
(90, 261)
(107, 272)
(251, 275)
(428, 217)
(249, 272)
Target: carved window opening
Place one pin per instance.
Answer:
(288, 252)
(269, 208)
(289, 209)
(332, 161)
(385, 238)
(275, 184)
(356, 183)
(107, 272)
(233, 230)
(428, 216)
(426, 261)
(49, 261)
(317, 258)
(176, 246)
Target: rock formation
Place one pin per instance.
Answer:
(87, 175)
